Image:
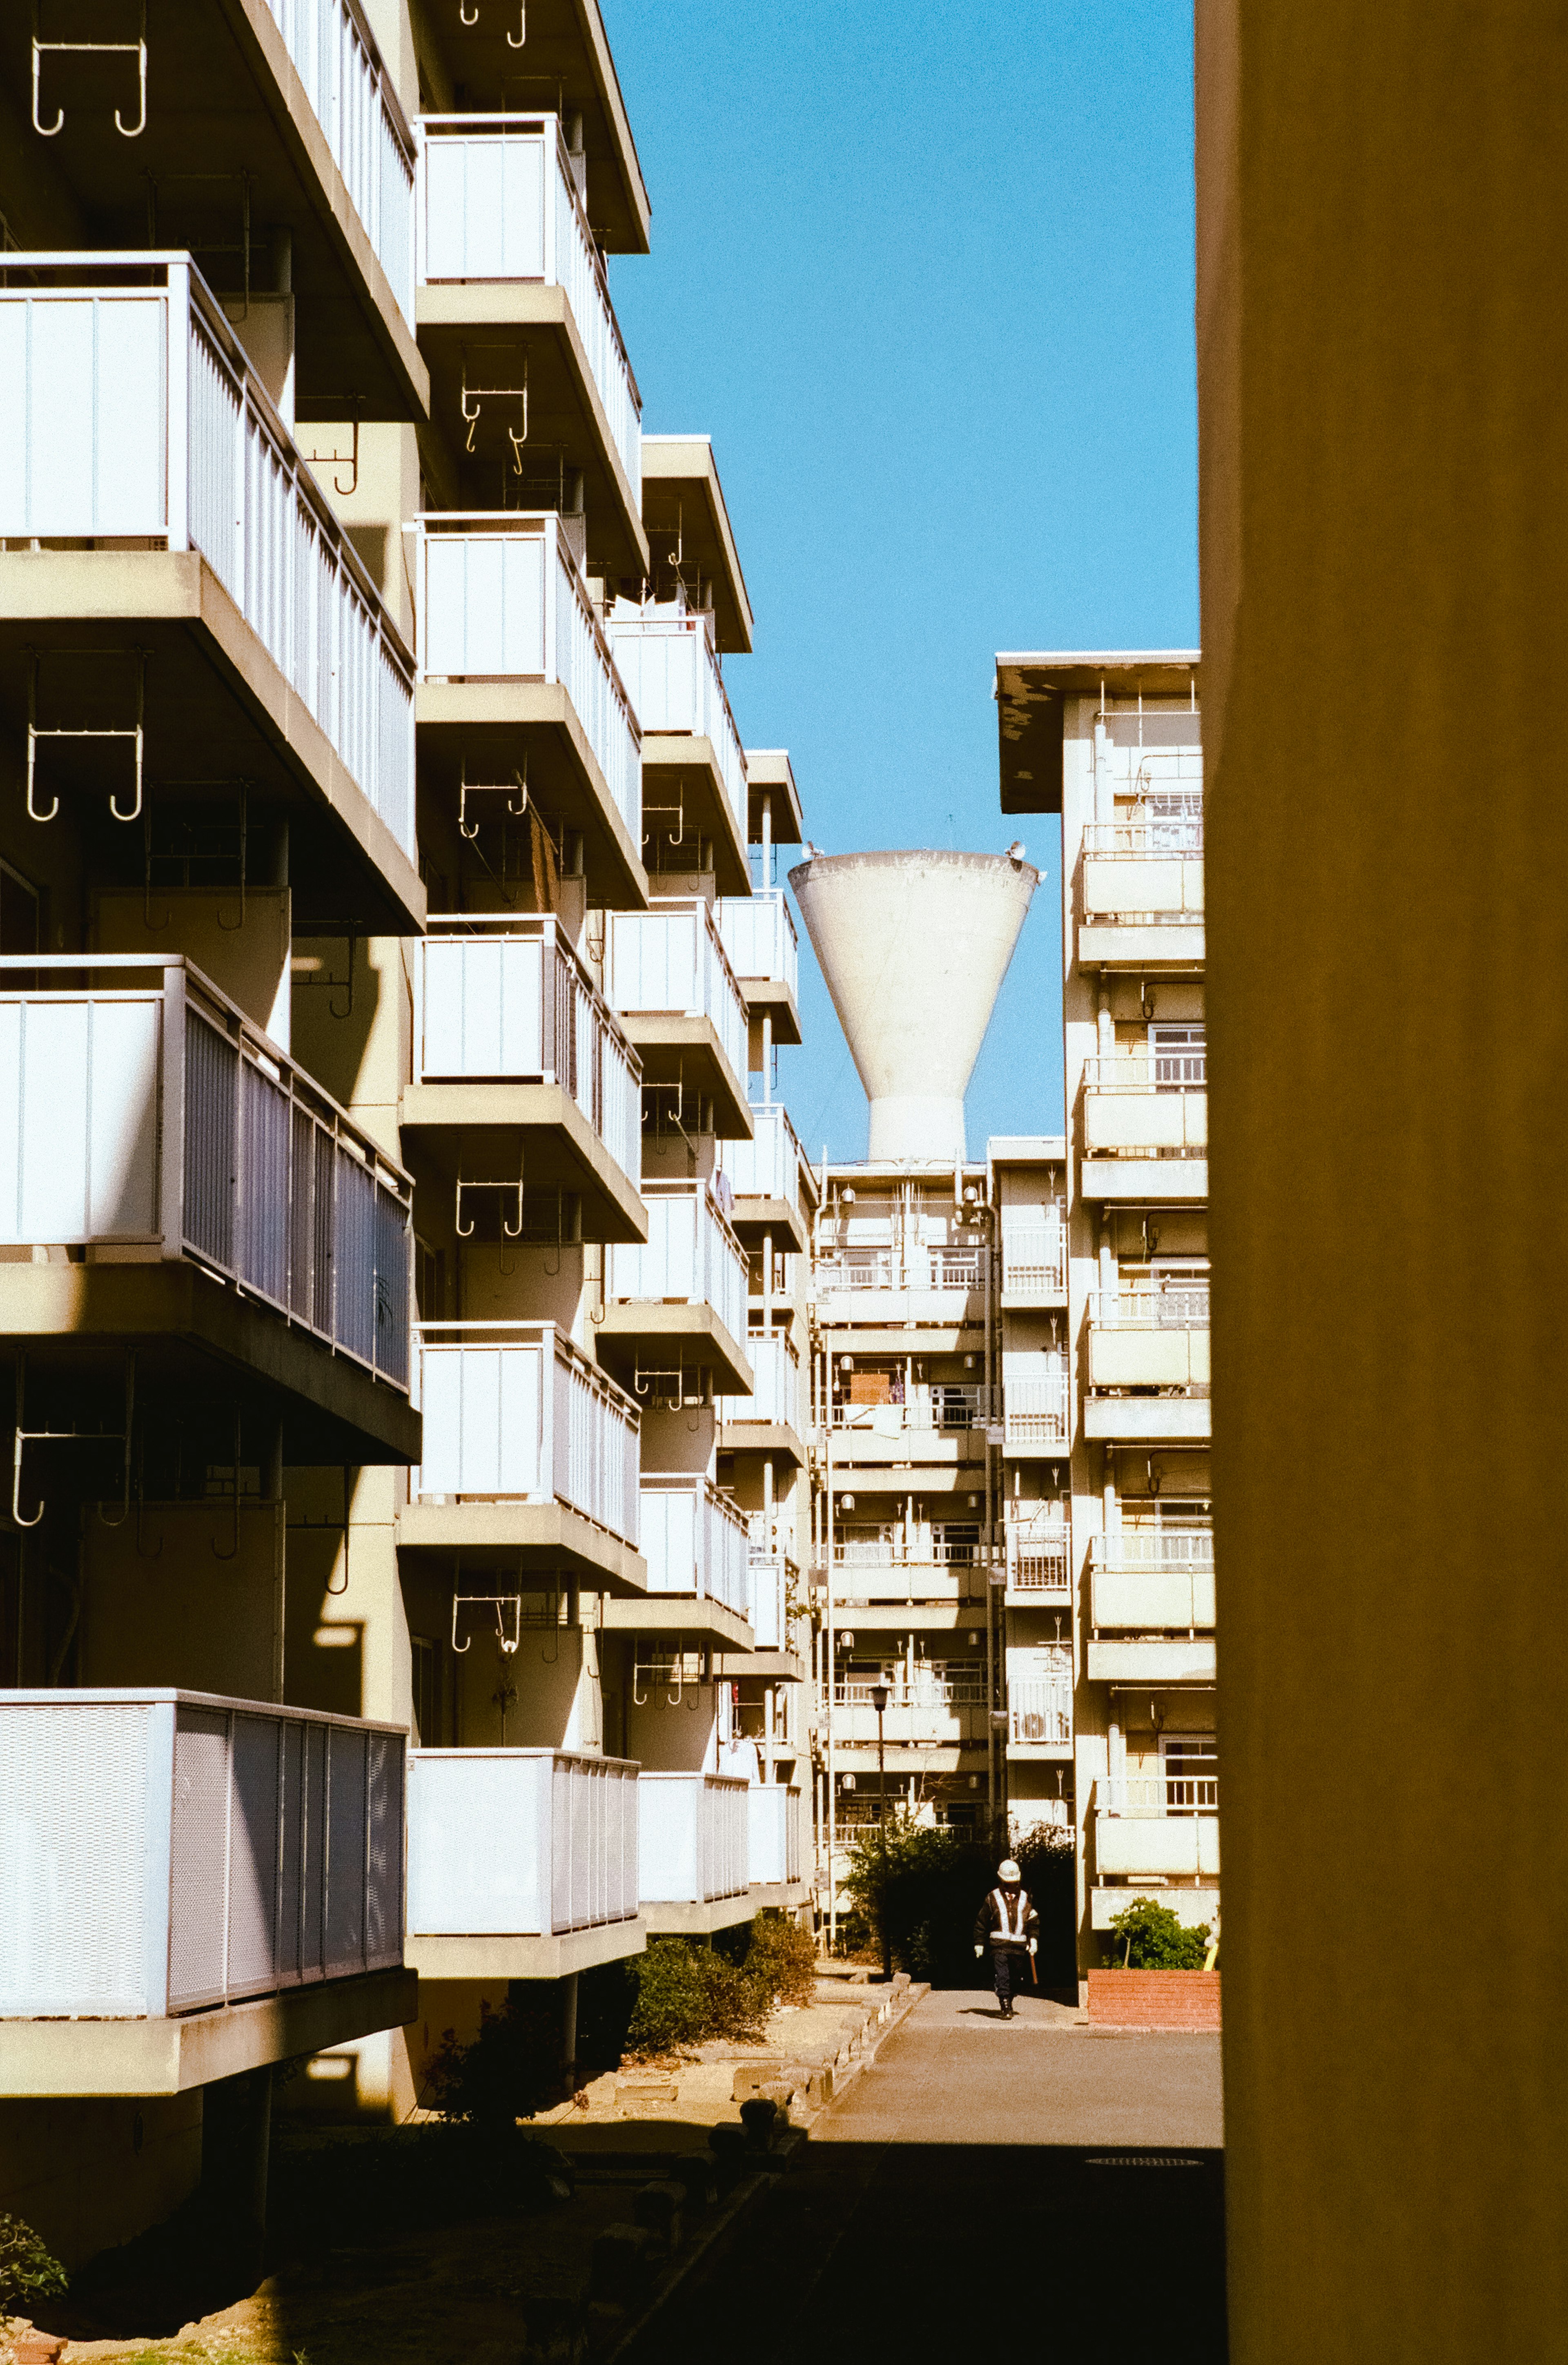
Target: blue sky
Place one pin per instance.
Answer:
(925, 274)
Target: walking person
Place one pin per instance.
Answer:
(1009, 1924)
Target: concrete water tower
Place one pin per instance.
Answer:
(914, 948)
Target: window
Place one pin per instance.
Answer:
(1179, 1055)
(1189, 1763)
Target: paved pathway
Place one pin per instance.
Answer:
(1033, 2183)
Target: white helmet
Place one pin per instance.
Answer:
(1008, 1874)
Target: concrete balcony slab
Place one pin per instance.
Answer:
(1147, 1420)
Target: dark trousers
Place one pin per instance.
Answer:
(1007, 1969)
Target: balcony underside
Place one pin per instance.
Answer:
(768, 773)
(1035, 1449)
(538, 1540)
(1140, 948)
(860, 1758)
(649, 1336)
(778, 1896)
(1021, 1301)
(774, 1437)
(765, 1666)
(219, 710)
(750, 1218)
(680, 770)
(199, 1344)
(680, 1614)
(1164, 1659)
(668, 1919)
(955, 1615)
(1039, 1752)
(77, 2058)
(1140, 1420)
(677, 1051)
(536, 1131)
(684, 508)
(936, 1457)
(1037, 1597)
(885, 1320)
(1191, 1906)
(487, 327)
(488, 726)
(222, 93)
(770, 997)
(503, 1955)
(1144, 1181)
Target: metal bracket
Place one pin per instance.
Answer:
(674, 837)
(22, 1437)
(499, 1602)
(645, 1384)
(134, 733)
(517, 786)
(508, 1231)
(136, 49)
(480, 394)
(335, 1527)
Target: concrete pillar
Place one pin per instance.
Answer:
(569, 2027)
(236, 2148)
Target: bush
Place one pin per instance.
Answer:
(511, 2070)
(924, 1886)
(28, 2272)
(1151, 1938)
(688, 1993)
(782, 1959)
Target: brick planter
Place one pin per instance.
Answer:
(1154, 1998)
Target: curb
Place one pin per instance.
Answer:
(866, 2059)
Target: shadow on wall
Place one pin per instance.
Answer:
(337, 995)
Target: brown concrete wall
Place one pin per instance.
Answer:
(1385, 456)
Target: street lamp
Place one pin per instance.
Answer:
(879, 1703)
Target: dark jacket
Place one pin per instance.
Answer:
(990, 1925)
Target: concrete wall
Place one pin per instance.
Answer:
(1383, 216)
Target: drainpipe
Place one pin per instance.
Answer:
(768, 837)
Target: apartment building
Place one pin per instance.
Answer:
(1113, 744)
(403, 1294)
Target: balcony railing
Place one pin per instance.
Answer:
(1178, 1544)
(147, 1113)
(1033, 1411)
(1142, 834)
(695, 1838)
(1150, 1336)
(1151, 1306)
(690, 1257)
(671, 671)
(776, 1396)
(1144, 1103)
(1177, 1792)
(671, 961)
(694, 1540)
(956, 1269)
(947, 1407)
(1038, 1558)
(336, 58)
(769, 1165)
(773, 1815)
(1152, 1600)
(885, 1544)
(760, 937)
(508, 999)
(1039, 1711)
(497, 200)
(162, 1852)
(521, 1841)
(1034, 1262)
(499, 598)
(1144, 1841)
(136, 417)
(765, 1577)
(514, 1412)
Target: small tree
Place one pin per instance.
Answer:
(28, 2272)
(1151, 1938)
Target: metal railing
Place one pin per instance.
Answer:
(1179, 1543)
(776, 1394)
(506, 998)
(925, 1692)
(917, 1268)
(671, 669)
(515, 1412)
(520, 1841)
(1144, 834)
(884, 1544)
(1034, 1262)
(691, 1257)
(336, 58)
(148, 1112)
(1039, 1711)
(1033, 1411)
(944, 1406)
(499, 598)
(136, 417)
(497, 200)
(773, 1819)
(769, 1165)
(1162, 1794)
(1038, 1556)
(1177, 1071)
(162, 1852)
(694, 1838)
(694, 1540)
(671, 960)
(760, 937)
(1151, 1306)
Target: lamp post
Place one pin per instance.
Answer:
(879, 1703)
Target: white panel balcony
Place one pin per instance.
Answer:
(523, 1863)
(764, 1174)
(774, 1402)
(1151, 1579)
(671, 669)
(694, 1541)
(1154, 1335)
(1037, 1554)
(498, 204)
(191, 1887)
(1142, 888)
(1034, 1408)
(943, 1408)
(773, 1820)
(515, 1048)
(147, 1125)
(667, 975)
(1133, 1108)
(336, 59)
(678, 1305)
(867, 1283)
(694, 1849)
(529, 1449)
(501, 602)
(139, 428)
(931, 1711)
(1140, 1839)
(759, 937)
(1033, 1264)
(767, 1577)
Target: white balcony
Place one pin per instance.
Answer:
(671, 671)
(1147, 1580)
(936, 1274)
(670, 963)
(1150, 1336)
(1033, 1264)
(943, 1408)
(496, 202)
(930, 1712)
(1037, 1552)
(508, 1001)
(773, 1820)
(145, 1121)
(759, 937)
(499, 598)
(775, 1398)
(336, 59)
(765, 1167)
(1141, 1839)
(512, 1845)
(165, 1854)
(136, 420)
(767, 1576)
(1144, 1106)
(1034, 1412)
(694, 1541)
(694, 1846)
(691, 1257)
(1145, 870)
(514, 1412)
(1039, 1712)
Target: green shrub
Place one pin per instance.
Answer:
(28, 2272)
(688, 1991)
(1151, 1938)
(782, 1959)
(511, 2070)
